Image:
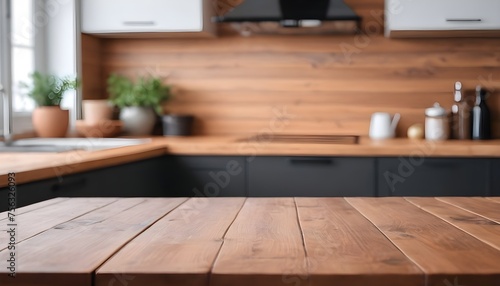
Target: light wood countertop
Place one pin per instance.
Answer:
(255, 241)
(36, 166)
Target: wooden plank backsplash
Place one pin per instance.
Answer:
(324, 84)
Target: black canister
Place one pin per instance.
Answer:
(177, 125)
(481, 121)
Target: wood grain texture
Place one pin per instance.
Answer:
(43, 219)
(495, 199)
(329, 83)
(34, 207)
(442, 251)
(69, 253)
(177, 250)
(232, 83)
(344, 248)
(261, 241)
(92, 77)
(262, 247)
(479, 206)
(482, 228)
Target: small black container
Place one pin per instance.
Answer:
(177, 125)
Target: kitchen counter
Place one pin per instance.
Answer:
(255, 241)
(36, 166)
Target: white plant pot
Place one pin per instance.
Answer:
(137, 121)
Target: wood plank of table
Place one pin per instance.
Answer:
(344, 248)
(479, 206)
(495, 199)
(69, 253)
(480, 227)
(32, 223)
(444, 252)
(32, 207)
(262, 247)
(177, 250)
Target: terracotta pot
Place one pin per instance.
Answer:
(50, 121)
(95, 111)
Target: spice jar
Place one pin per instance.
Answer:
(436, 123)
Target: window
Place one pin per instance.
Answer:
(40, 36)
(21, 47)
(22, 52)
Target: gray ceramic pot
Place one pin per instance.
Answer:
(138, 121)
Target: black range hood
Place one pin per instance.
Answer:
(291, 13)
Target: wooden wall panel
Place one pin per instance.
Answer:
(329, 84)
(92, 78)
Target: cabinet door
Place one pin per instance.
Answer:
(144, 178)
(495, 177)
(432, 177)
(115, 16)
(442, 14)
(311, 177)
(208, 176)
(28, 193)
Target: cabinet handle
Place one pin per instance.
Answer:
(69, 183)
(311, 161)
(139, 23)
(463, 20)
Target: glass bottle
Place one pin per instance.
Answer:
(461, 121)
(481, 122)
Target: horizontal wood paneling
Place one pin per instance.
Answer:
(92, 78)
(330, 83)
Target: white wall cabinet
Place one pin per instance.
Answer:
(146, 16)
(441, 15)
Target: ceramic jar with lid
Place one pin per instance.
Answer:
(436, 123)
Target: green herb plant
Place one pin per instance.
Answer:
(145, 92)
(47, 89)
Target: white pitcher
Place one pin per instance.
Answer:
(382, 126)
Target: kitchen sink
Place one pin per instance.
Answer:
(67, 144)
(304, 139)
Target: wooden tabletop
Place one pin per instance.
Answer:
(255, 241)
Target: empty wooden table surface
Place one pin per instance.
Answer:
(254, 241)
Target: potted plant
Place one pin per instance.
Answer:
(49, 120)
(138, 101)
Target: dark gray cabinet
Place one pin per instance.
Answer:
(29, 193)
(272, 176)
(311, 177)
(495, 177)
(146, 178)
(433, 177)
(207, 176)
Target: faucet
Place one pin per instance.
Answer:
(7, 118)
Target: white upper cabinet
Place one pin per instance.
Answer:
(441, 15)
(146, 16)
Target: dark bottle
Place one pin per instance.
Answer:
(481, 122)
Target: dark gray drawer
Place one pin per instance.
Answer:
(433, 177)
(311, 177)
(146, 178)
(209, 176)
(29, 193)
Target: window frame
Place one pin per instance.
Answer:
(21, 120)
